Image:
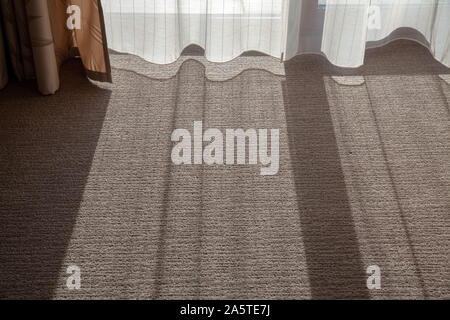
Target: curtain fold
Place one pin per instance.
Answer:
(41, 37)
(36, 40)
(91, 41)
(15, 28)
(341, 30)
(3, 66)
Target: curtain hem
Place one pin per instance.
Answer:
(99, 76)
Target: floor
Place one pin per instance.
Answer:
(86, 179)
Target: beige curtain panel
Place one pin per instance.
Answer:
(36, 38)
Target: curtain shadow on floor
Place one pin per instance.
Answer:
(46, 148)
(396, 132)
(331, 246)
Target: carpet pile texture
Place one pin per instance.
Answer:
(86, 179)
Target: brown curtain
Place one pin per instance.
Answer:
(35, 41)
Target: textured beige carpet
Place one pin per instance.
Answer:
(86, 179)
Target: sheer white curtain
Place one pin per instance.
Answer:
(158, 30)
(351, 26)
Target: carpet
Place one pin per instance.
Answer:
(86, 179)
